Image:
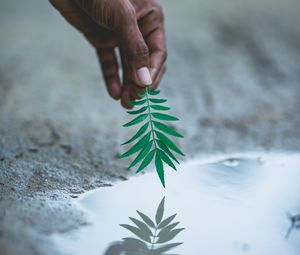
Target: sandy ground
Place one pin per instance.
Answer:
(233, 79)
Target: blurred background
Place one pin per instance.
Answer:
(233, 79)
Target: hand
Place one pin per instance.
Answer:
(135, 27)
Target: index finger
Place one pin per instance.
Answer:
(158, 53)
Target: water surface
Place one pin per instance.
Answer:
(227, 205)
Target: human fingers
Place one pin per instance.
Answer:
(110, 71)
(158, 52)
(120, 17)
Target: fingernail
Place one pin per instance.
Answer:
(144, 76)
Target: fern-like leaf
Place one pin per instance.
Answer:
(138, 133)
(167, 129)
(168, 142)
(157, 101)
(160, 107)
(154, 144)
(162, 116)
(146, 161)
(166, 150)
(164, 157)
(152, 236)
(136, 102)
(153, 92)
(138, 146)
(143, 109)
(142, 154)
(160, 169)
(137, 120)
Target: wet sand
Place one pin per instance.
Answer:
(233, 80)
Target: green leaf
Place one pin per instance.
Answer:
(168, 143)
(142, 95)
(167, 129)
(166, 159)
(146, 161)
(169, 236)
(137, 232)
(166, 221)
(166, 150)
(139, 145)
(138, 133)
(142, 226)
(153, 92)
(142, 154)
(150, 109)
(144, 108)
(137, 120)
(160, 211)
(137, 102)
(160, 107)
(160, 169)
(146, 219)
(162, 116)
(166, 247)
(157, 101)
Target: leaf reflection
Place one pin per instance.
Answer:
(295, 223)
(151, 237)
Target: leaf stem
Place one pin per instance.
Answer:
(150, 119)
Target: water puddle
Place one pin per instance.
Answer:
(244, 204)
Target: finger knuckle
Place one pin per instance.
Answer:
(140, 50)
(126, 11)
(130, 12)
(125, 18)
(158, 12)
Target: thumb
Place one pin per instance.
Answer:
(136, 52)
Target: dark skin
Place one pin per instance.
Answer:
(135, 28)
